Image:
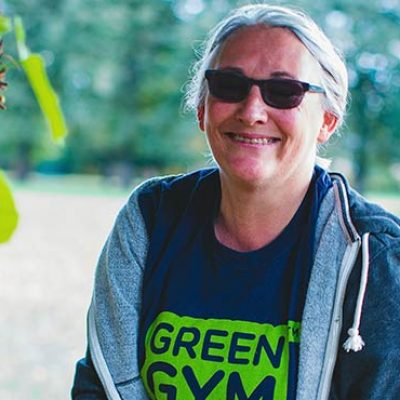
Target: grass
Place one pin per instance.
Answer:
(72, 184)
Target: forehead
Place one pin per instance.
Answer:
(261, 51)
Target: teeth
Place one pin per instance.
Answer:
(254, 140)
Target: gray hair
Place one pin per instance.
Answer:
(334, 74)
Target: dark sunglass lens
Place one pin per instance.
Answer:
(281, 93)
(228, 86)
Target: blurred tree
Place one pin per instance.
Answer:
(368, 33)
(120, 76)
(121, 66)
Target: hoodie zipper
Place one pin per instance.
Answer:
(337, 321)
(348, 263)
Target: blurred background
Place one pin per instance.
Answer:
(120, 69)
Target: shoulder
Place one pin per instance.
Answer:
(170, 195)
(383, 226)
(175, 185)
(368, 217)
(384, 230)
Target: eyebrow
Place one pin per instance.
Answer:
(282, 74)
(275, 74)
(233, 69)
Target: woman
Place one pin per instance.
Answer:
(243, 281)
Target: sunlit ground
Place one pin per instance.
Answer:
(46, 275)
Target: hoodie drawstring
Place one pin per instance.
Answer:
(354, 341)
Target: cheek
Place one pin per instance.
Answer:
(287, 121)
(220, 107)
(217, 112)
(305, 123)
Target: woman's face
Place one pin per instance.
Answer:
(287, 139)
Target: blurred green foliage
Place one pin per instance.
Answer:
(120, 67)
(33, 65)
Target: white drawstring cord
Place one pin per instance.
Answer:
(354, 341)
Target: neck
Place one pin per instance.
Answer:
(251, 218)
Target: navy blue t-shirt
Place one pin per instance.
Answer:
(217, 323)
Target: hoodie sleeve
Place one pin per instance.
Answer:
(113, 316)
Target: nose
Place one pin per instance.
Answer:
(253, 110)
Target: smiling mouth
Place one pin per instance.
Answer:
(252, 140)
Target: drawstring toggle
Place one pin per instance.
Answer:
(354, 341)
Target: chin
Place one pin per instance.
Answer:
(253, 178)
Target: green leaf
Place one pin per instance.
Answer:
(5, 25)
(47, 98)
(35, 70)
(8, 212)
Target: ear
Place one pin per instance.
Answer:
(200, 117)
(328, 127)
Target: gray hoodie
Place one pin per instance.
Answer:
(354, 283)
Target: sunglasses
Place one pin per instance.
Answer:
(234, 87)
